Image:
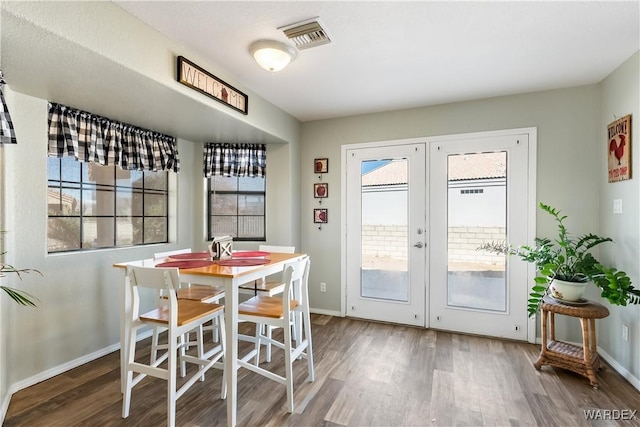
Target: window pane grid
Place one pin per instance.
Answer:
(105, 208)
(237, 207)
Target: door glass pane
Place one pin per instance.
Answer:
(477, 210)
(385, 265)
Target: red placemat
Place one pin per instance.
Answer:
(192, 255)
(250, 254)
(242, 262)
(193, 263)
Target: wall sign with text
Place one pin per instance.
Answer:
(619, 149)
(197, 78)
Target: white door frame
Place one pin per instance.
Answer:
(531, 203)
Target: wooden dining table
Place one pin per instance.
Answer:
(231, 278)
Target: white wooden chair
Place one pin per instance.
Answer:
(265, 286)
(179, 317)
(277, 312)
(269, 287)
(187, 291)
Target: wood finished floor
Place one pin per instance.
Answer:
(367, 374)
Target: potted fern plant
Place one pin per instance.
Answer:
(566, 265)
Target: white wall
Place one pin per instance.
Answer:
(78, 314)
(571, 125)
(567, 122)
(620, 96)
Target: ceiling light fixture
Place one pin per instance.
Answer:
(272, 55)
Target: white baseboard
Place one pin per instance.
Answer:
(611, 361)
(57, 370)
(325, 312)
(619, 368)
(5, 406)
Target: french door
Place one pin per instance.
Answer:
(385, 233)
(411, 232)
(479, 194)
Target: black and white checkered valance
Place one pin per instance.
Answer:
(240, 160)
(7, 134)
(92, 138)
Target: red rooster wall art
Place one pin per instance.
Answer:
(617, 149)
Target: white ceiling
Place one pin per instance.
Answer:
(389, 55)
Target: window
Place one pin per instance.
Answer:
(237, 207)
(92, 206)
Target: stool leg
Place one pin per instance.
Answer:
(154, 344)
(216, 329)
(268, 330)
(183, 345)
(223, 340)
(126, 399)
(200, 346)
(307, 335)
(172, 365)
(288, 367)
(258, 335)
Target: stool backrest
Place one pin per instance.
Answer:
(164, 280)
(154, 278)
(295, 276)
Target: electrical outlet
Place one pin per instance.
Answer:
(323, 287)
(617, 206)
(625, 332)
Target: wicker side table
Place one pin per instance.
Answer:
(582, 360)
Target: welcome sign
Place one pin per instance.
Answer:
(197, 78)
(619, 149)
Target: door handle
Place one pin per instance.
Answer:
(418, 245)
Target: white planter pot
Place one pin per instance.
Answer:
(567, 291)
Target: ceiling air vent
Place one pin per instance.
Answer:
(306, 34)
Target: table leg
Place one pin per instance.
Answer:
(592, 335)
(231, 356)
(543, 347)
(588, 343)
